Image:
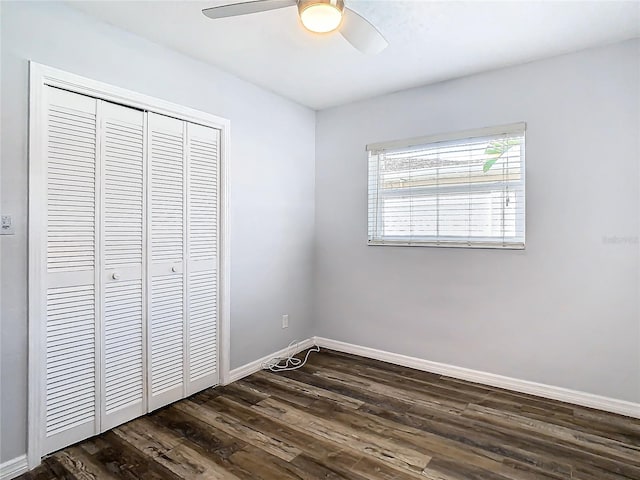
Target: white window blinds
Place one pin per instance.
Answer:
(464, 190)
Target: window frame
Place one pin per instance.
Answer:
(449, 241)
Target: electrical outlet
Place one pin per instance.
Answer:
(7, 227)
(285, 321)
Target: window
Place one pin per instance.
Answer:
(460, 190)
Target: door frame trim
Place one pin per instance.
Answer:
(41, 76)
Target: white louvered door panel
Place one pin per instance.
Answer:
(166, 246)
(202, 233)
(123, 230)
(70, 412)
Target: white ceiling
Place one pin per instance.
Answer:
(429, 41)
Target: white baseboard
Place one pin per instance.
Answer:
(584, 399)
(575, 397)
(257, 365)
(14, 467)
(19, 465)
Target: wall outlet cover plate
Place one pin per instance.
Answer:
(7, 227)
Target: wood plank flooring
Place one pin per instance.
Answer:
(347, 417)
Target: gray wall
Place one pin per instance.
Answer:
(272, 181)
(563, 312)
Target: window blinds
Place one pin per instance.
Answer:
(464, 190)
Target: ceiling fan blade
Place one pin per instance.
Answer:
(244, 8)
(361, 34)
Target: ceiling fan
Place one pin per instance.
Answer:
(318, 16)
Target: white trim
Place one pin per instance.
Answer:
(257, 365)
(538, 389)
(36, 266)
(575, 397)
(39, 77)
(45, 75)
(224, 258)
(14, 467)
(447, 243)
(519, 127)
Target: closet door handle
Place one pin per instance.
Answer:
(115, 276)
(174, 269)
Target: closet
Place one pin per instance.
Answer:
(131, 263)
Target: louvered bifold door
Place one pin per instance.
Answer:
(123, 231)
(70, 412)
(166, 337)
(202, 252)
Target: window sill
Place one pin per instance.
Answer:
(447, 244)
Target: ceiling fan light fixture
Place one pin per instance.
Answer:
(316, 16)
(321, 16)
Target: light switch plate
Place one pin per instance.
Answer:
(7, 227)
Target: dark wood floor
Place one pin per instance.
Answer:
(348, 417)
